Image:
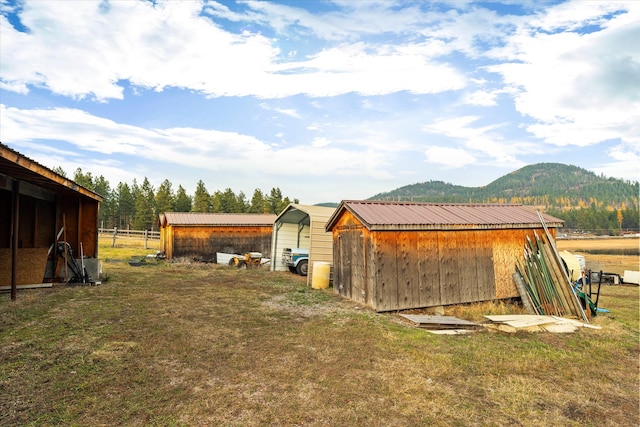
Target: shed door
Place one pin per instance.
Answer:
(351, 264)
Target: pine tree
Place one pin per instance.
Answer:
(145, 207)
(165, 199)
(85, 180)
(106, 217)
(183, 201)
(126, 206)
(274, 201)
(60, 171)
(258, 202)
(201, 200)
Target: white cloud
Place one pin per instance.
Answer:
(449, 157)
(189, 147)
(485, 142)
(481, 98)
(320, 142)
(172, 45)
(580, 89)
(625, 162)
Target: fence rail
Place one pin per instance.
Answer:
(133, 238)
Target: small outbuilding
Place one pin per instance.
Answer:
(403, 255)
(202, 235)
(43, 217)
(302, 226)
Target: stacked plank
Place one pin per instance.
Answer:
(544, 285)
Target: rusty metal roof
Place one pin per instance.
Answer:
(377, 215)
(215, 219)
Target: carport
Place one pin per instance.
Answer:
(302, 226)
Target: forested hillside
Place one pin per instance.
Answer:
(584, 200)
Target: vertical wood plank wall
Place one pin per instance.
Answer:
(204, 242)
(395, 270)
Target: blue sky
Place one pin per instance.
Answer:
(327, 100)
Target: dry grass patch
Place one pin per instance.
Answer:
(198, 344)
(609, 255)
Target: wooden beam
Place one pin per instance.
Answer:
(32, 286)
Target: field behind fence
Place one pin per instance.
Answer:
(117, 238)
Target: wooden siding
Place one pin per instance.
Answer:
(320, 246)
(202, 243)
(396, 270)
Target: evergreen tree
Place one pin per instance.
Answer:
(106, 217)
(145, 218)
(258, 202)
(183, 201)
(241, 203)
(228, 202)
(201, 200)
(125, 210)
(83, 179)
(165, 199)
(215, 202)
(274, 201)
(59, 171)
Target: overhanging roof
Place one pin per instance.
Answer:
(377, 215)
(301, 214)
(15, 166)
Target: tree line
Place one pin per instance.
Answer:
(137, 206)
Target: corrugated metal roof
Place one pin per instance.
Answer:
(377, 215)
(216, 219)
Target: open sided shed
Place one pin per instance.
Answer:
(401, 255)
(202, 235)
(38, 208)
(302, 226)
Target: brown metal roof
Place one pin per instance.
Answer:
(215, 219)
(14, 165)
(377, 215)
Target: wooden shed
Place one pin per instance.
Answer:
(38, 209)
(397, 255)
(202, 235)
(302, 226)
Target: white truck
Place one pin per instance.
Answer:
(297, 259)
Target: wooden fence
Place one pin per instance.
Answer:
(130, 238)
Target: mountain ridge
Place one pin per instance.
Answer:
(552, 185)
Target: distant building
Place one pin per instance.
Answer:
(201, 235)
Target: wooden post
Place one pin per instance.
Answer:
(15, 240)
(66, 252)
(115, 232)
(146, 236)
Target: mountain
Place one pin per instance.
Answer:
(554, 186)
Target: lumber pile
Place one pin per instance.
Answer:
(543, 282)
(535, 323)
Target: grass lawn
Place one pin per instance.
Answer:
(197, 344)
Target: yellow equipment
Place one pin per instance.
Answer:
(250, 260)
